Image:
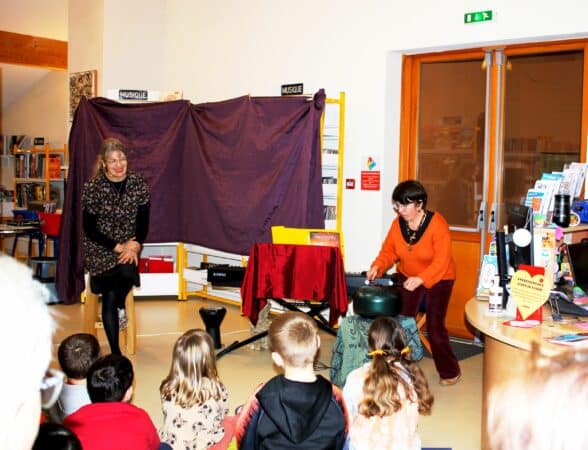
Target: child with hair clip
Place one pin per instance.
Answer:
(385, 397)
(193, 398)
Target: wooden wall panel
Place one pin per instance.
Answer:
(25, 50)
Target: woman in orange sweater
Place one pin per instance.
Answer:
(419, 243)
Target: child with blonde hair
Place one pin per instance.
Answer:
(193, 398)
(299, 409)
(385, 397)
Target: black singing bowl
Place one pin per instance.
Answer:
(373, 301)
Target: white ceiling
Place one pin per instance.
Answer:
(17, 80)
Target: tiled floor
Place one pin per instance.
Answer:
(454, 423)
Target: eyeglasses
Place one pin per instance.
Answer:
(398, 206)
(51, 386)
(112, 162)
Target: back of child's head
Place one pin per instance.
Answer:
(294, 336)
(193, 376)
(385, 333)
(54, 436)
(390, 357)
(77, 353)
(109, 378)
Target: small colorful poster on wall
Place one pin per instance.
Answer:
(370, 174)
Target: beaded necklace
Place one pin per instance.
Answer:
(412, 234)
(118, 186)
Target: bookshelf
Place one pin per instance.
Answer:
(39, 176)
(332, 150)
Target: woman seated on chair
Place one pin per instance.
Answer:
(115, 222)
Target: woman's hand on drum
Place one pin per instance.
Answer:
(372, 273)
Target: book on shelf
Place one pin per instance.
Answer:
(551, 187)
(579, 174)
(54, 166)
(488, 271)
(11, 141)
(557, 176)
(573, 179)
(330, 212)
(537, 200)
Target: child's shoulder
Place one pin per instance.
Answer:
(358, 373)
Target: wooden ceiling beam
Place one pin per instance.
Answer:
(25, 50)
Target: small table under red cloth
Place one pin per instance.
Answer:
(302, 272)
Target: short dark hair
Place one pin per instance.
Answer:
(77, 353)
(109, 378)
(54, 436)
(410, 191)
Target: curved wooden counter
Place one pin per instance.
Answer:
(520, 338)
(506, 348)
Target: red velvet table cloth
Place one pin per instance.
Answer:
(301, 272)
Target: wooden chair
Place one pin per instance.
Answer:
(421, 321)
(93, 320)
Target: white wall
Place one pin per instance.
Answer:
(35, 17)
(217, 50)
(85, 44)
(42, 111)
(133, 45)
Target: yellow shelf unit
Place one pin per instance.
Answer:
(326, 129)
(196, 276)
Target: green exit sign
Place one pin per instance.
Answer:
(477, 16)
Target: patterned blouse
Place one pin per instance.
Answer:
(116, 213)
(195, 428)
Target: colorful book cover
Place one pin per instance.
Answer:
(325, 238)
(54, 166)
(536, 200)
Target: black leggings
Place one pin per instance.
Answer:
(112, 301)
(114, 285)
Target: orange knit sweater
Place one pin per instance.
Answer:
(430, 258)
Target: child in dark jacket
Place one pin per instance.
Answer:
(296, 410)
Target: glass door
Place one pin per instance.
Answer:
(478, 128)
(542, 118)
(447, 153)
(451, 138)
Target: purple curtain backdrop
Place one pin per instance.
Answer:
(221, 174)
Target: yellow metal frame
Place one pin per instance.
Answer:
(341, 102)
(183, 292)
